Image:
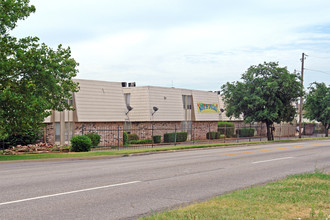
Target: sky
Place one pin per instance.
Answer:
(193, 44)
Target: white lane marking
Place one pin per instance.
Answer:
(66, 193)
(264, 161)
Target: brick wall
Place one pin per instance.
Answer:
(111, 132)
(200, 129)
(49, 134)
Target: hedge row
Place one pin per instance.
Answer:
(245, 132)
(214, 135)
(133, 137)
(143, 141)
(175, 137)
(157, 139)
(226, 128)
(168, 138)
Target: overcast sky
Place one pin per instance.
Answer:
(196, 44)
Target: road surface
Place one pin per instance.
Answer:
(129, 187)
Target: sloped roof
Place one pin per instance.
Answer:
(99, 101)
(169, 103)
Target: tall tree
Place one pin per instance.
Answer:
(34, 79)
(317, 106)
(267, 95)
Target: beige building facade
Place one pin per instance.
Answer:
(114, 106)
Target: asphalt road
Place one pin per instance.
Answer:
(128, 187)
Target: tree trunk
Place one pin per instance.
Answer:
(270, 130)
(326, 130)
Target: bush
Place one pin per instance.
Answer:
(125, 138)
(169, 137)
(157, 139)
(245, 132)
(180, 137)
(133, 137)
(143, 141)
(226, 128)
(81, 143)
(212, 135)
(30, 136)
(95, 138)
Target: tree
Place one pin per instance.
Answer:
(266, 95)
(317, 106)
(34, 79)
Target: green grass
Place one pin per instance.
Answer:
(296, 197)
(135, 151)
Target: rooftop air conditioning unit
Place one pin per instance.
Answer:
(131, 84)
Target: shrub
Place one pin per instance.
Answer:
(226, 128)
(212, 135)
(30, 136)
(180, 137)
(143, 141)
(81, 143)
(245, 132)
(157, 139)
(125, 138)
(133, 137)
(95, 138)
(169, 137)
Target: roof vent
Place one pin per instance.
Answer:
(131, 84)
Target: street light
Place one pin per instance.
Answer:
(129, 108)
(155, 109)
(152, 125)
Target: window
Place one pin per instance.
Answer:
(186, 126)
(128, 99)
(57, 132)
(187, 101)
(67, 134)
(68, 131)
(127, 126)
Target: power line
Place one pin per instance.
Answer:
(327, 58)
(320, 71)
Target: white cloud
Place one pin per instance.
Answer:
(194, 44)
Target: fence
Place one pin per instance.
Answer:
(112, 137)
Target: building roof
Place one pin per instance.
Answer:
(99, 101)
(169, 102)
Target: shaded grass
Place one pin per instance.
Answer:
(303, 196)
(134, 151)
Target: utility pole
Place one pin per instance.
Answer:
(301, 97)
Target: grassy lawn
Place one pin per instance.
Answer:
(296, 197)
(112, 152)
(134, 151)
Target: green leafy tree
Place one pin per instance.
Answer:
(317, 106)
(267, 95)
(34, 79)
